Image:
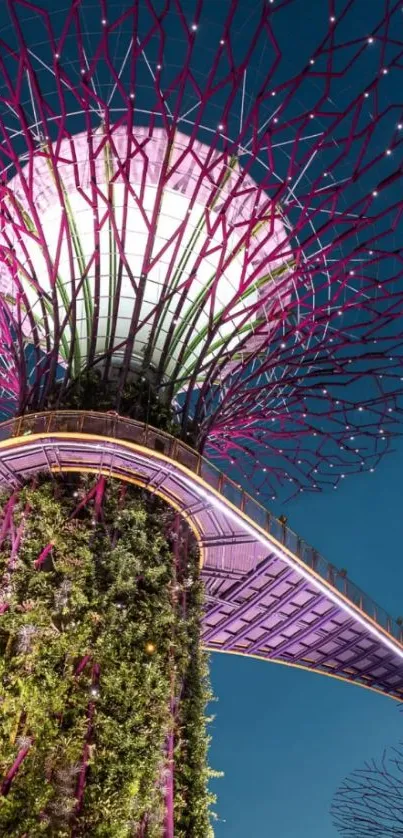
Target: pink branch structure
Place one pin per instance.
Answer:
(225, 227)
(22, 753)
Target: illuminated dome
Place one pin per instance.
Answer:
(150, 237)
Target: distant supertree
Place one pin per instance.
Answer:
(200, 228)
(370, 800)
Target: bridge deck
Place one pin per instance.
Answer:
(268, 594)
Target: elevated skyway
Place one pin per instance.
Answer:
(268, 593)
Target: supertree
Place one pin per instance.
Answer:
(370, 800)
(199, 231)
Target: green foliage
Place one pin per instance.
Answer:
(137, 401)
(92, 646)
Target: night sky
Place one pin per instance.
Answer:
(285, 738)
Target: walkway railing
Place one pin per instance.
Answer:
(117, 427)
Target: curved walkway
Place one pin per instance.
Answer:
(268, 594)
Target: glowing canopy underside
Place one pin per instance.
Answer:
(140, 234)
(241, 251)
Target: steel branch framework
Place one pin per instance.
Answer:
(369, 802)
(183, 199)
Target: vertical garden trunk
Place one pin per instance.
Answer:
(104, 686)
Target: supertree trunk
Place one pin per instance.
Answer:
(101, 615)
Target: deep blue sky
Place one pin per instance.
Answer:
(286, 738)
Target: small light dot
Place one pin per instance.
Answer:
(311, 116)
(400, 126)
(222, 41)
(57, 55)
(366, 94)
(332, 19)
(159, 66)
(312, 61)
(371, 252)
(273, 93)
(388, 152)
(194, 27)
(275, 119)
(385, 70)
(375, 193)
(370, 40)
(103, 21)
(132, 96)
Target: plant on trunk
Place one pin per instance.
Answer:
(100, 664)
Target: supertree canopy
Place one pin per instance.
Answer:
(183, 202)
(200, 224)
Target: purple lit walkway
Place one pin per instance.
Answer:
(268, 594)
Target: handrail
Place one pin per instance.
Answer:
(119, 427)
